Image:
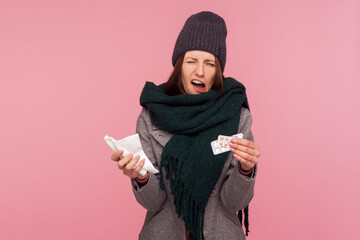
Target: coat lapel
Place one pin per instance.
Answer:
(161, 136)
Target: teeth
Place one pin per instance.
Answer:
(197, 82)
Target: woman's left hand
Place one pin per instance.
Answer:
(246, 152)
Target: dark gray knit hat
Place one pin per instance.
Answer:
(204, 31)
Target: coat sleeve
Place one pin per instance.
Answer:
(150, 195)
(237, 190)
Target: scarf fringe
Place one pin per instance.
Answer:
(246, 218)
(191, 212)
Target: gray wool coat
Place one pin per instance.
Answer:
(233, 191)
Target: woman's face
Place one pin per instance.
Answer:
(198, 71)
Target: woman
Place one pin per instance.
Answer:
(197, 194)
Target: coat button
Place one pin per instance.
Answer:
(213, 192)
(206, 233)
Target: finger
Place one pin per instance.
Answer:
(257, 153)
(244, 163)
(127, 172)
(244, 155)
(117, 155)
(125, 160)
(244, 142)
(249, 163)
(242, 148)
(129, 166)
(135, 172)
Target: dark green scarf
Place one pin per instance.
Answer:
(195, 121)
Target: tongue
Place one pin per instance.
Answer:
(199, 87)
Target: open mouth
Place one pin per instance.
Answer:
(198, 85)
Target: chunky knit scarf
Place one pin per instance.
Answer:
(195, 121)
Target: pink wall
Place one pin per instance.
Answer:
(72, 71)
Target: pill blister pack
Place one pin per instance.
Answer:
(221, 145)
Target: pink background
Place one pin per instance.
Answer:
(72, 71)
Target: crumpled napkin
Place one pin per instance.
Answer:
(131, 145)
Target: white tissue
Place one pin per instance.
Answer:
(131, 145)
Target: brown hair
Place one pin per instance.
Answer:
(174, 85)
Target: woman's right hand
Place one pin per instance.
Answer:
(126, 164)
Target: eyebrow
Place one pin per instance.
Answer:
(196, 59)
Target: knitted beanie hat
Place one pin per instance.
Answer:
(204, 31)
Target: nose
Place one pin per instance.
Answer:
(199, 70)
